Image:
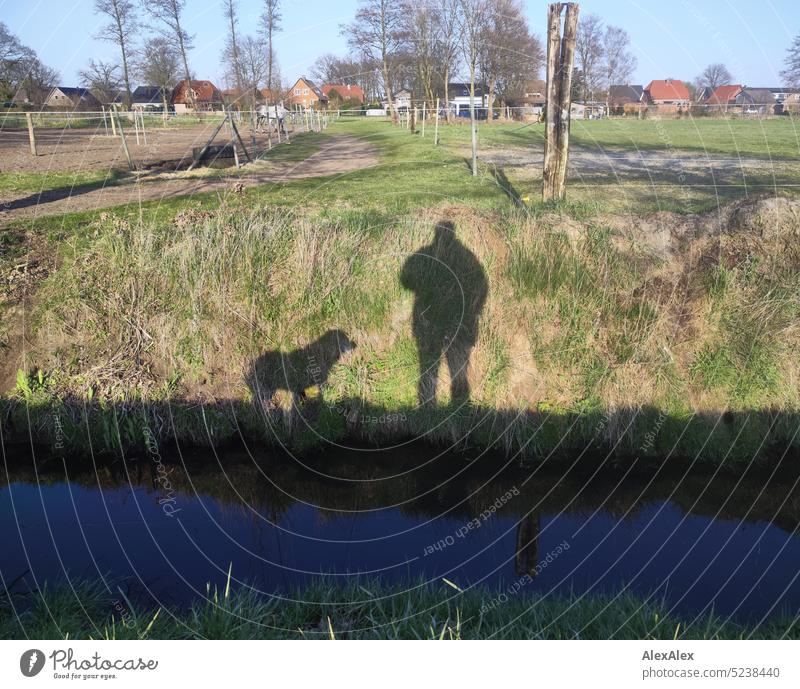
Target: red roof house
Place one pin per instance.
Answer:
(206, 96)
(667, 92)
(346, 91)
(724, 95)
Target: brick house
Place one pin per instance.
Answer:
(206, 96)
(306, 94)
(667, 92)
(723, 96)
(345, 91)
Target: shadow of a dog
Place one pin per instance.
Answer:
(297, 373)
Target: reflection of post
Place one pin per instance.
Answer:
(527, 555)
(560, 60)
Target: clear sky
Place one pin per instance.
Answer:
(676, 38)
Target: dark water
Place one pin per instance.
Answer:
(164, 526)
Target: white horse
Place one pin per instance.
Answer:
(272, 116)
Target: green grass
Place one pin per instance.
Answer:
(16, 183)
(367, 611)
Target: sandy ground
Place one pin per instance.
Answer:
(666, 167)
(89, 148)
(340, 154)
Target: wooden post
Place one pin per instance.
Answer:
(144, 132)
(136, 126)
(31, 135)
(436, 128)
(253, 133)
(124, 142)
(105, 120)
(113, 124)
(424, 116)
(560, 61)
(241, 143)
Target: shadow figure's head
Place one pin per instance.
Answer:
(337, 341)
(445, 232)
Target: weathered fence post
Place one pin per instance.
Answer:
(424, 116)
(111, 112)
(31, 135)
(124, 142)
(105, 120)
(560, 60)
(436, 128)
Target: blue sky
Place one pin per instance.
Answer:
(670, 39)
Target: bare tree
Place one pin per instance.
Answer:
(589, 54)
(425, 46)
(231, 51)
(102, 79)
(253, 56)
(791, 73)
(473, 17)
(618, 61)
(510, 55)
(159, 65)
(449, 43)
(713, 76)
(271, 24)
(378, 32)
(21, 71)
(120, 29)
(169, 13)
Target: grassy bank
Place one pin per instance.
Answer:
(651, 337)
(371, 611)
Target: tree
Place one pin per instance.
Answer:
(159, 65)
(253, 58)
(713, 76)
(423, 31)
(510, 55)
(447, 13)
(121, 27)
(473, 16)
(618, 61)
(102, 79)
(791, 74)
(589, 54)
(378, 32)
(271, 24)
(21, 71)
(169, 13)
(231, 51)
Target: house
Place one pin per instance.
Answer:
(791, 105)
(668, 92)
(306, 94)
(402, 101)
(459, 99)
(592, 110)
(344, 91)
(781, 93)
(71, 98)
(270, 96)
(757, 101)
(620, 95)
(148, 98)
(203, 93)
(723, 96)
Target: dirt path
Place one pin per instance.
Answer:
(339, 154)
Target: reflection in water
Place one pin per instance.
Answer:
(396, 516)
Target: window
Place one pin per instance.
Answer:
(297, 92)
(305, 92)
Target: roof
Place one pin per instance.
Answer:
(147, 94)
(267, 94)
(205, 90)
(756, 97)
(457, 89)
(723, 95)
(667, 89)
(76, 92)
(346, 91)
(629, 92)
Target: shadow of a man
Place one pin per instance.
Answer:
(450, 289)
